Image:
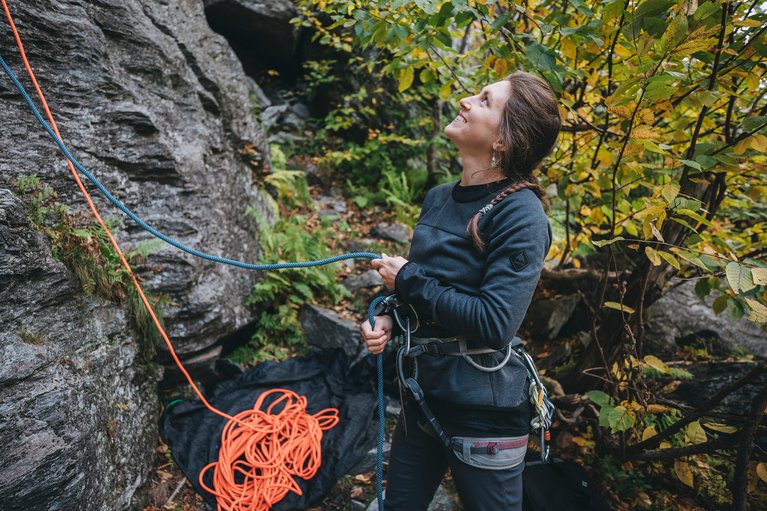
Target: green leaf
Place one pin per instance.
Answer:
(705, 10)
(82, 233)
(652, 7)
(602, 243)
(619, 306)
(618, 94)
(703, 288)
(540, 56)
(720, 304)
(620, 419)
(694, 215)
(658, 87)
(599, 398)
(751, 123)
(739, 277)
(692, 163)
(500, 21)
(670, 259)
(675, 32)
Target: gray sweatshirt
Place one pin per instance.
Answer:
(456, 290)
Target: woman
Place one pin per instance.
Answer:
(474, 262)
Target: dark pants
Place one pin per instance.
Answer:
(418, 462)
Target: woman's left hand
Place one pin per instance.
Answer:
(388, 267)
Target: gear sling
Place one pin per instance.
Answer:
(488, 453)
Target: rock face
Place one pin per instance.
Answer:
(155, 104)
(78, 414)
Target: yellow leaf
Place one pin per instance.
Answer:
(644, 132)
(646, 116)
(405, 78)
(579, 441)
(759, 142)
(695, 433)
(683, 472)
(747, 22)
(656, 409)
(622, 111)
(722, 428)
(742, 146)
(657, 364)
(445, 92)
(758, 311)
(648, 432)
(501, 66)
(652, 255)
(761, 471)
(670, 259)
(759, 275)
(568, 48)
(670, 191)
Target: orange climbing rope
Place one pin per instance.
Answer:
(260, 448)
(276, 446)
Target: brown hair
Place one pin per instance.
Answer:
(529, 128)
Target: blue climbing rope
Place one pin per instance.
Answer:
(249, 266)
(381, 425)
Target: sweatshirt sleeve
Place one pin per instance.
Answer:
(517, 244)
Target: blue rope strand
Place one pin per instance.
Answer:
(381, 425)
(122, 207)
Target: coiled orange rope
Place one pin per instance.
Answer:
(293, 438)
(257, 463)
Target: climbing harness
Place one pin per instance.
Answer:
(457, 346)
(322, 420)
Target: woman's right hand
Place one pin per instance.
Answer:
(376, 339)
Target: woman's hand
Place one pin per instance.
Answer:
(376, 339)
(388, 267)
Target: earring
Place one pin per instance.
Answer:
(494, 159)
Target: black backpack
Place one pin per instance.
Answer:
(560, 485)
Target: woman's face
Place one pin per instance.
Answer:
(477, 126)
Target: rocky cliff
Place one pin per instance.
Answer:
(154, 103)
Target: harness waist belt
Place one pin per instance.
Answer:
(456, 346)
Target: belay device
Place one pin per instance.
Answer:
(457, 346)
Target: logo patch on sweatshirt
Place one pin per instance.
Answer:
(519, 260)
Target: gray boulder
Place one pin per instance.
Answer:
(547, 316)
(325, 329)
(78, 410)
(394, 232)
(680, 314)
(370, 278)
